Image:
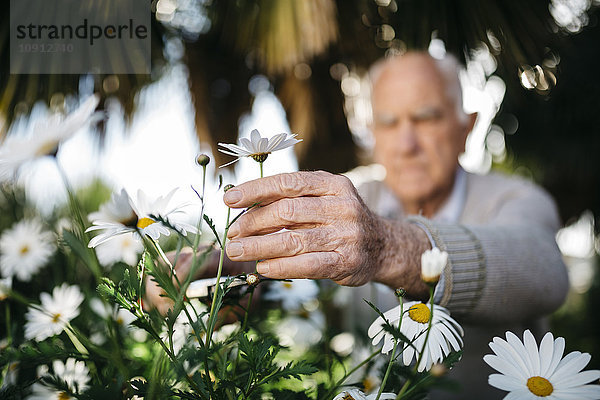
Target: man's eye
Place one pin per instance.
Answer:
(428, 115)
(385, 122)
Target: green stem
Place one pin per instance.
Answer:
(218, 286)
(387, 371)
(261, 169)
(7, 319)
(420, 357)
(392, 357)
(428, 328)
(199, 226)
(245, 322)
(141, 278)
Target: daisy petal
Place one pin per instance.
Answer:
(255, 137)
(578, 379)
(571, 364)
(520, 350)
(502, 366)
(505, 382)
(532, 351)
(585, 392)
(546, 353)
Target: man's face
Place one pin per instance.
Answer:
(418, 134)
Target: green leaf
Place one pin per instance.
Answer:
(212, 227)
(292, 370)
(79, 248)
(161, 275)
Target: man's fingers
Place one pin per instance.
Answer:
(285, 213)
(283, 244)
(316, 265)
(276, 187)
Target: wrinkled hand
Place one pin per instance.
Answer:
(309, 225)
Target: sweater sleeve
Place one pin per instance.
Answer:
(507, 268)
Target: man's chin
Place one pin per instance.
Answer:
(410, 190)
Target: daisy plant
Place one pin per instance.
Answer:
(78, 322)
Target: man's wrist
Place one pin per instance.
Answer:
(399, 262)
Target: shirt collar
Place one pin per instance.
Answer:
(452, 209)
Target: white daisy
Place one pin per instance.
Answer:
(5, 287)
(24, 249)
(55, 313)
(258, 147)
(121, 214)
(530, 373)
(75, 373)
(432, 263)
(355, 394)
(292, 294)
(126, 248)
(445, 335)
(45, 138)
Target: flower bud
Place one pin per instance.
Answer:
(400, 292)
(203, 160)
(438, 370)
(227, 187)
(432, 263)
(252, 279)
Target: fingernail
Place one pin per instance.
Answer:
(234, 249)
(232, 196)
(262, 268)
(234, 230)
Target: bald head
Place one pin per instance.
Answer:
(445, 69)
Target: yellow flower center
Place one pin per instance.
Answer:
(287, 285)
(145, 222)
(55, 318)
(539, 386)
(63, 396)
(419, 313)
(348, 397)
(24, 250)
(261, 157)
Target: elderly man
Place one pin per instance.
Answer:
(504, 270)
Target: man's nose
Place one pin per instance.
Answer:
(406, 138)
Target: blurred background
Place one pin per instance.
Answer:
(223, 68)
